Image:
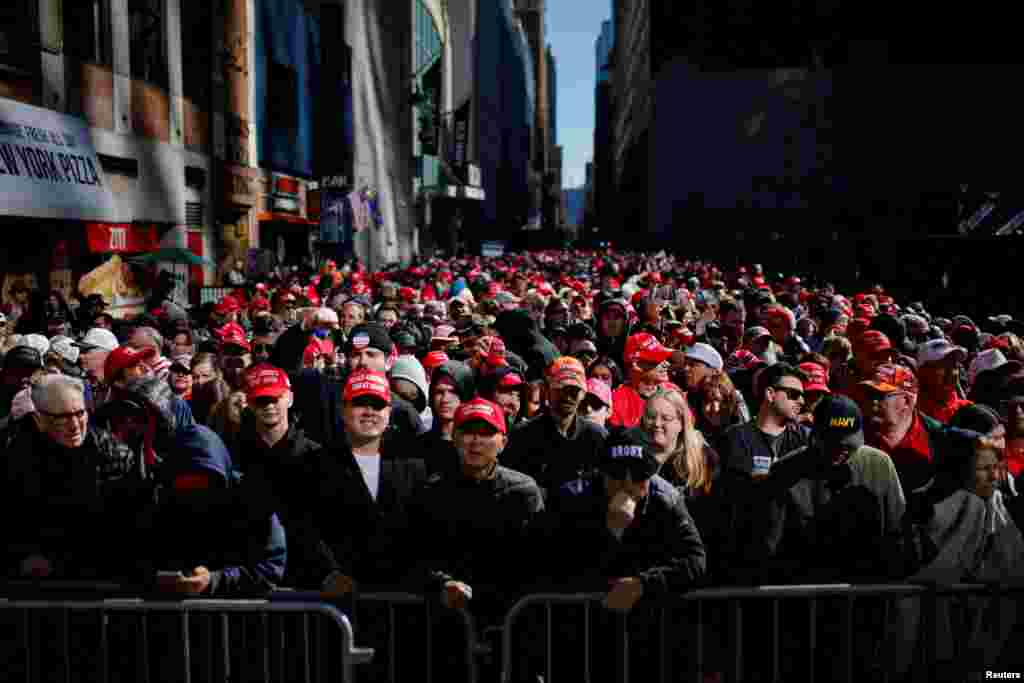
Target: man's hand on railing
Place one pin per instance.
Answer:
(337, 585)
(197, 582)
(624, 594)
(456, 594)
(36, 566)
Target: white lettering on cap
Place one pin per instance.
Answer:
(627, 452)
(361, 340)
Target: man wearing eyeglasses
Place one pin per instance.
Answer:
(647, 365)
(895, 425)
(58, 473)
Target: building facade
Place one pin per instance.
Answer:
(507, 104)
(228, 129)
(632, 108)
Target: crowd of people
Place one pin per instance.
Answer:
(644, 423)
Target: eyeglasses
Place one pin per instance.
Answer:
(262, 348)
(791, 393)
(64, 418)
(235, 351)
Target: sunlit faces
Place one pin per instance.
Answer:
(203, 373)
(479, 444)
(270, 411)
(368, 358)
(66, 421)
(366, 417)
(444, 399)
(787, 397)
(663, 424)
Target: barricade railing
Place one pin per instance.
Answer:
(392, 602)
(836, 610)
(119, 639)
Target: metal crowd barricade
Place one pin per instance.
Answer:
(239, 640)
(817, 599)
(392, 603)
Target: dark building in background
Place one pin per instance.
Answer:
(632, 107)
(507, 114)
(602, 181)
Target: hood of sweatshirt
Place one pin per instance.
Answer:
(461, 376)
(407, 367)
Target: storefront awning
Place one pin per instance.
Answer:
(278, 217)
(48, 166)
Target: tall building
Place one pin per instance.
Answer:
(507, 104)
(603, 183)
(632, 108)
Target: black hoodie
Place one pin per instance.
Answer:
(438, 453)
(522, 336)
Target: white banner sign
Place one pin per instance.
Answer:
(48, 166)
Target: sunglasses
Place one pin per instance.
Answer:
(791, 394)
(262, 348)
(236, 351)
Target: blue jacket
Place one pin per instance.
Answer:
(218, 528)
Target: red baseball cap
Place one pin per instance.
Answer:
(227, 305)
(232, 334)
(496, 355)
(817, 378)
(313, 351)
(646, 347)
(435, 359)
(890, 378)
(259, 304)
(567, 372)
(872, 342)
(481, 410)
(367, 383)
(266, 380)
(124, 357)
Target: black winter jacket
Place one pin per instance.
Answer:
(538, 449)
(662, 547)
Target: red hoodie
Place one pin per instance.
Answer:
(942, 408)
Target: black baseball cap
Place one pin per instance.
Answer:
(627, 455)
(370, 335)
(23, 358)
(838, 422)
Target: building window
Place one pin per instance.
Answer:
(197, 51)
(148, 53)
(87, 30)
(19, 35)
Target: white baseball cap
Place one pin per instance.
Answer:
(706, 354)
(935, 350)
(65, 348)
(37, 342)
(98, 338)
(989, 359)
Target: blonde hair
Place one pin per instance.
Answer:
(687, 458)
